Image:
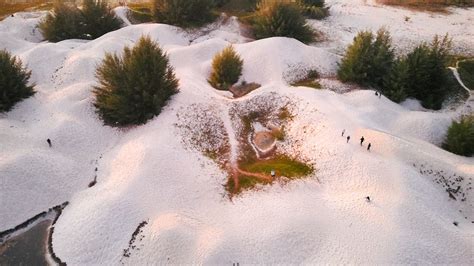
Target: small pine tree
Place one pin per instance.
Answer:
(428, 74)
(460, 137)
(13, 81)
(368, 60)
(395, 86)
(226, 69)
(184, 13)
(98, 18)
(64, 22)
(281, 19)
(354, 66)
(135, 87)
(313, 9)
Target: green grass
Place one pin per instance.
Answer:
(466, 72)
(307, 83)
(283, 166)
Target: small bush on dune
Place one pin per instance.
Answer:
(281, 19)
(66, 21)
(184, 13)
(460, 137)
(135, 87)
(13, 81)
(313, 9)
(226, 69)
(98, 18)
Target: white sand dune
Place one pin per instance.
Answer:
(145, 173)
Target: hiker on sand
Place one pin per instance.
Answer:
(361, 140)
(49, 143)
(343, 131)
(376, 93)
(368, 147)
(348, 138)
(367, 199)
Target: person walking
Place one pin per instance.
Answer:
(343, 131)
(49, 143)
(348, 138)
(376, 93)
(368, 147)
(362, 140)
(367, 199)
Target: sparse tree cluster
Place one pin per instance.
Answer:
(67, 21)
(14, 79)
(226, 69)
(134, 88)
(421, 74)
(281, 18)
(460, 137)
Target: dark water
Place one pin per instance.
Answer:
(29, 248)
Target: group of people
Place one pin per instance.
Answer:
(362, 139)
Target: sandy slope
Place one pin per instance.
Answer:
(347, 17)
(146, 173)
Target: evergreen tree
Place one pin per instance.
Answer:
(13, 81)
(98, 18)
(460, 137)
(135, 87)
(64, 22)
(355, 65)
(428, 74)
(368, 60)
(395, 83)
(226, 69)
(281, 19)
(183, 13)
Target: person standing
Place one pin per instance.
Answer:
(367, 199)
(343, 131)
(368, 147)
(348, 138)
(49, 143)
(362, 140)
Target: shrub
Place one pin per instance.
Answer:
(281, 19)
(426, 76)
(13, 81)
(368, 60)
(66, 21)
(135, 87)
(460, 137)
(466, 72)
(183, 13)
(313, 9)
(226, 69)
(98, 18)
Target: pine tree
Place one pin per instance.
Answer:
(98, 19)
(64, 22)
(368, 60)
(226, 69)
(395, 83)
(135, 87)
(355, 65)
(460, 137)
(281, 19)
(13, 81)
(184, 13)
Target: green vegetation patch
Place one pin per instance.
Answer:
(282, 164)
(466, 72)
